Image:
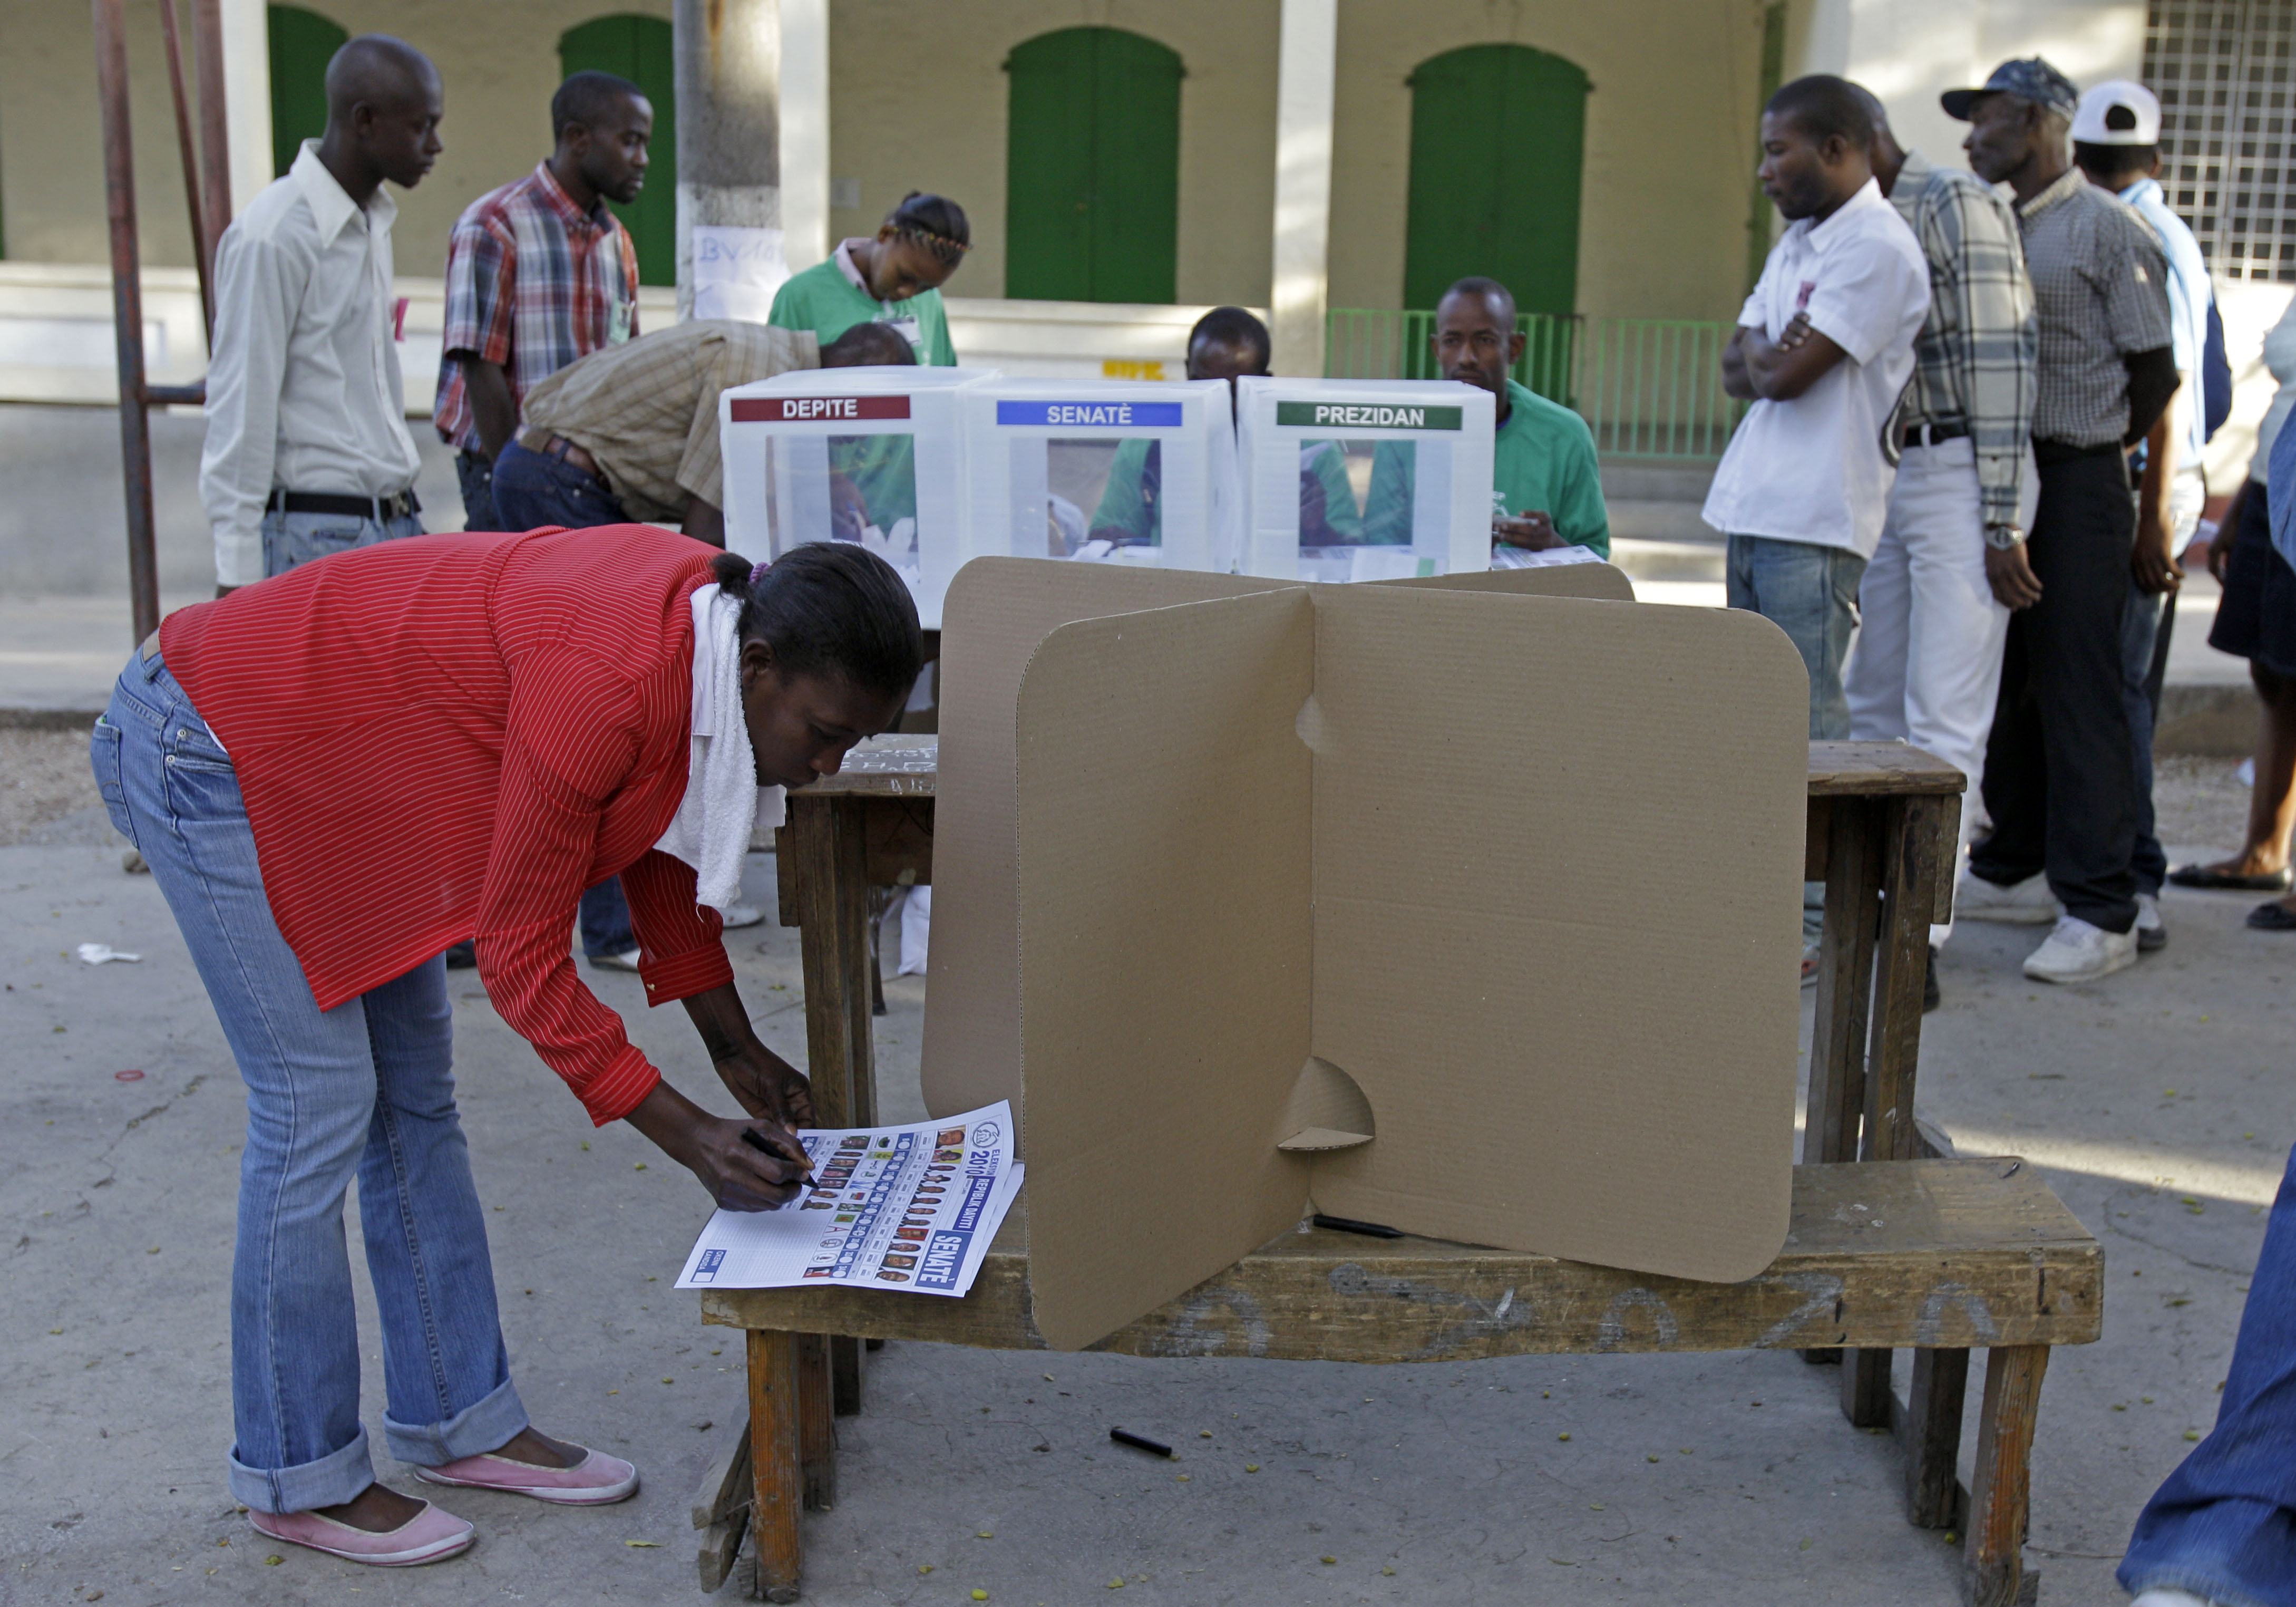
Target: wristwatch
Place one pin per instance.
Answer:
(2001, 538)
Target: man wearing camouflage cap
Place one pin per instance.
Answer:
(2059, 768)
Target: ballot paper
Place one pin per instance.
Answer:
(1505, 557)
(910, 1209)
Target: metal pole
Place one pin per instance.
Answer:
(189, 151)
(215, 129)
(127, 311)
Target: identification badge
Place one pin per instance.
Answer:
(619, 316)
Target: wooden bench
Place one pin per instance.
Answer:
(1949, 1255)
(1938, 1254)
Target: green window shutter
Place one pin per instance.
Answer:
(1092, 167)
(638, 48)
(301, 42)
(1497, 146)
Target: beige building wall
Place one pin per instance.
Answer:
(1670, 121)
(918, 98)
(499, 59)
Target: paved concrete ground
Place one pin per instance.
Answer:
(2157, 1103)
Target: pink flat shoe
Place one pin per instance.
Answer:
(595, 1480)
(429, 1535)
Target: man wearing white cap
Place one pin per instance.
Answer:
(2117, 144)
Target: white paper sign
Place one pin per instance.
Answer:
(908, 1208)
(736, 271)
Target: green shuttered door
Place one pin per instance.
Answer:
(301, 43)
(1497, 138)
(637, 48)
(1092, 167)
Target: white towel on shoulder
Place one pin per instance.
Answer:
(723, 804)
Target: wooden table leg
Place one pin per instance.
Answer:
(817, 1433)
(1993, 1561)
(1917, 836)
(1845, 960)
(775, 1509)
(1932, 1437)
(831, 877)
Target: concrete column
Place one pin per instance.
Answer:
(730, 245)
(1301, 288)
(805, 133)
(247, 98)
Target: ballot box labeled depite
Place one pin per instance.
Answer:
(872, 455)
(1108, 472)
(1345, 480)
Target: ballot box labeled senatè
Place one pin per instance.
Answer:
(873, 456)
(1112, 472)
(1363, 480)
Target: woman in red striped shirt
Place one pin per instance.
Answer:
(468, 730)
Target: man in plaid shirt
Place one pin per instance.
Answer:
(539, 273)
(1927, 666)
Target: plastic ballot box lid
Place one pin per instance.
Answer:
(1108, 471)
(1363, 480)
(873, 456)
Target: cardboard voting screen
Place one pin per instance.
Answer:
(872, 455)
(1131, 474)
(1364, 480)
(1483, 1009)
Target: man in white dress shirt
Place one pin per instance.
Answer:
(307, 450)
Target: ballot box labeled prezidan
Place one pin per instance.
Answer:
(873, 456)
(1364, 480)
(1114, 471)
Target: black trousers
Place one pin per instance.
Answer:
(2060, 782)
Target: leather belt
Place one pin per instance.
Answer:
(1931, 435)
(399, 505)
(573, 457)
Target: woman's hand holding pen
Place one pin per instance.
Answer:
(744, 1165)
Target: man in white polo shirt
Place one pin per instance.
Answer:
(1823, 350)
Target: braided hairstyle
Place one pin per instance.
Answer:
(830, 609)
(935, 222)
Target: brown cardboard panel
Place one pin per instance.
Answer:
(1602, 582)
(1558, 853)
(1164, 926)
(998, 611)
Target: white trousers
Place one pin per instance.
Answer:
(1927, 664)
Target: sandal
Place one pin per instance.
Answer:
(2210, 880)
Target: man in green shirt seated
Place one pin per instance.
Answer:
(1547, 489)
(1227, 342)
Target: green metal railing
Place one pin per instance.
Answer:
(1647, 387)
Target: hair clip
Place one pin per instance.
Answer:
(756, 572)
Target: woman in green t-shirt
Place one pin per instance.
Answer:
(894, 278)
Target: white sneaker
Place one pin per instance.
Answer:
(2151, 936)
(741, 915)
(2026, 904)
(2167, 1596)
(2077, 952)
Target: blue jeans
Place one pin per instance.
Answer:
(293, 538)
(531, 490)
(2223, 1526)
(365, 1089)
(1810, 593)
(474, 474)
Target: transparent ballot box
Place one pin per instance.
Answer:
(1112, 472)
(1363, 480)
(866, 455)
